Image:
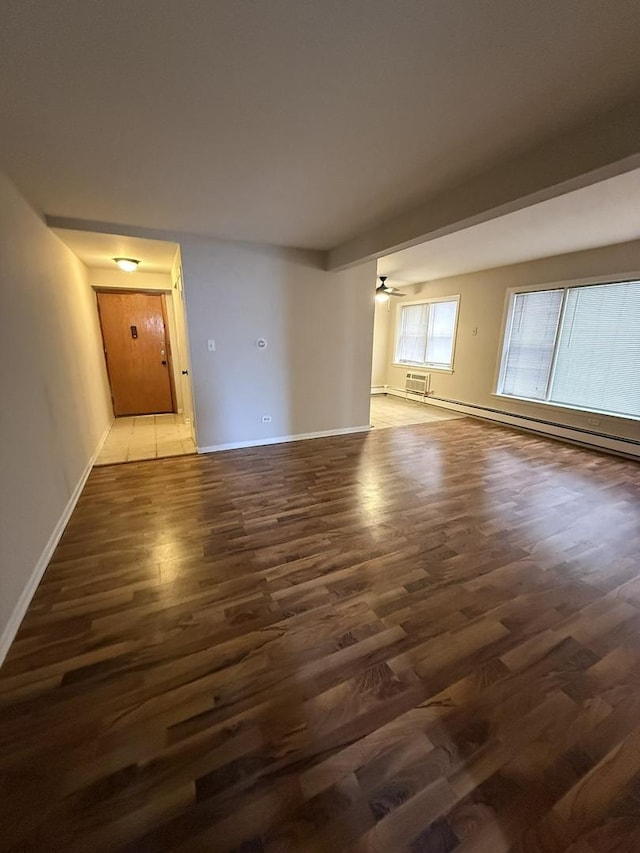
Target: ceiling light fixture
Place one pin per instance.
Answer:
(127, 264)
(384, 290)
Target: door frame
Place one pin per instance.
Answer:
(183, 347)
(167, 335)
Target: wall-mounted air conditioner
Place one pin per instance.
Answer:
(417, 383)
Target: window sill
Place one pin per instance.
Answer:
(422, 367)
(561, 407)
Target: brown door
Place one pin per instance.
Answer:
(134, 332)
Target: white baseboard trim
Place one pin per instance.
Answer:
(101, 442)
(574, 435)
(379, 389)
(282, 439)
(10, 630)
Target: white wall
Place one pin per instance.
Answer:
(314, 375)
(161, 281)
(55, 398)
(482, 304)
(381, 325)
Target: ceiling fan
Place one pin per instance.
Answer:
(385, 290)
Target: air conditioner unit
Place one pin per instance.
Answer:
(417, 383)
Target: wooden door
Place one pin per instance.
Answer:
(136, 346)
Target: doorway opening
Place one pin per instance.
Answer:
(399, 392)
(141, 329)
(138, 352)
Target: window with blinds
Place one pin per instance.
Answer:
(426, 333)
(576, 346)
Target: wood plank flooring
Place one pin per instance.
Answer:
(419, 639)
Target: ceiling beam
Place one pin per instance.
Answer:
(92, 226)
(606, 146)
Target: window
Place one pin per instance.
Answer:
(426, 333)
(576, 346)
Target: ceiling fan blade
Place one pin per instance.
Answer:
(383, 287)
(390, 291)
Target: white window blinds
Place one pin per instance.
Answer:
(534, 320)
(598, 360)
(578, 346)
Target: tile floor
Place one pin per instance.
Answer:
(155, 436)
(146, 437)
(388, 411)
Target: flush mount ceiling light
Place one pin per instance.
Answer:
(127, 264)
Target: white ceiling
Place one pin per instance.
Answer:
(98, 250)
(289, 122)
(598, 215)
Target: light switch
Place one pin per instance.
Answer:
(211, 345)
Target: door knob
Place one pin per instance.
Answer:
(185, 372)
(164, 362)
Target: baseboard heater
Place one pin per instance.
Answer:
(539, 426)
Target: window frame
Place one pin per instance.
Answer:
(507, 320)
(426, 366)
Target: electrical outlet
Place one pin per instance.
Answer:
(266, 419)
(211, 345)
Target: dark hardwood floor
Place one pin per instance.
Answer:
(420, 639)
